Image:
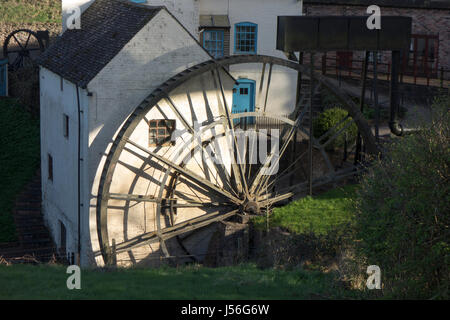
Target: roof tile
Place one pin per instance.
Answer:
(106, 27)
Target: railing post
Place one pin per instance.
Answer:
(114, 253)
(362, 100)
(389, 71)
(311, 134)
(324, 63)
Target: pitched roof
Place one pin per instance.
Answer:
(210, 21)
(106, 27)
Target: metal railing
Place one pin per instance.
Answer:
(411, 71)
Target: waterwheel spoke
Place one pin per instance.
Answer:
(179, 115)
(220, 169)
(237, 169)
(261, 85)
(18, 61)
(286, 172)
(223, 173)
(300, 189)
(268, 86)
(188, 173)
(166, 202)
(18, 42)
(173, 231)
(262, 177)
(333, 129)
(28, 39)
(337, 134)
(170, 195)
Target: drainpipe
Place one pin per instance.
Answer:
(79, 159)
(394, 124)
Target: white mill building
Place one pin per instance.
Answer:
(92, 79)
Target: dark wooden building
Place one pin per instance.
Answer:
(429, 53)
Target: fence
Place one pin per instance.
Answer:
(410, 71)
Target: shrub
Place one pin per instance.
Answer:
(330, 118)
(403, 211)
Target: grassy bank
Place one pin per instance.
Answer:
(19, 159)
(26, 11)
(317, 215)
(192, 282)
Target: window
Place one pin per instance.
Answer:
(160, 133)
(246, 37)
(213, 42)
(62, 238)
(422, 58)
(66, 125)
(379, 56)
(50, 168)
(61, 83)
(243, 91)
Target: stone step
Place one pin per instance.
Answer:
(28, 220)
(25, 211)
(30, 206)
(19, 255)
(34, 237)
(36, 242)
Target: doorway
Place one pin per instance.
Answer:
(244, 100)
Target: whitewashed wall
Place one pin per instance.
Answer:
(263, 13)
(186, 11)
(159, 51)
(59, 197)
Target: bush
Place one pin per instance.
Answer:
(19, 159)
(403, 212)
(330, 118)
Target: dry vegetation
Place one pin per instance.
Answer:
(29, 14)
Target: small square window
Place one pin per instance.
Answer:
(160, 132)
(243, 91)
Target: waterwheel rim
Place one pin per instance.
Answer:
(239, 192)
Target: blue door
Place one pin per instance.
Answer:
(3, 78)
(244, 100)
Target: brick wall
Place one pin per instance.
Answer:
(425, 21)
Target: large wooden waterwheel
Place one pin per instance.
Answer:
(158, 201)
(21, 48)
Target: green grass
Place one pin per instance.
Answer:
(191, 282)
(19, 159)
(26, 11)
(317, 215)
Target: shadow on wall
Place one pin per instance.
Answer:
(114, 121)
